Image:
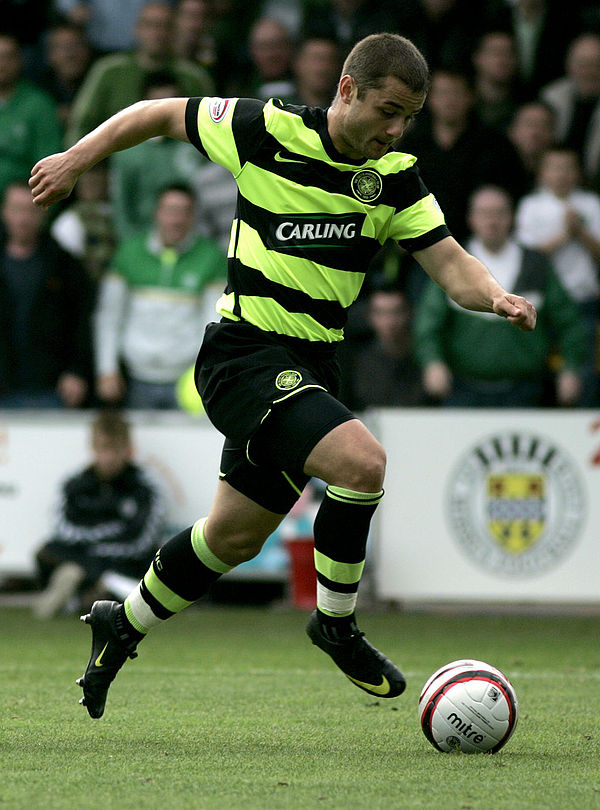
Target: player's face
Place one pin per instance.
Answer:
(374, 122)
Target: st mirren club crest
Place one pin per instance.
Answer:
(516, 504)
(516, 509)
(366, 185)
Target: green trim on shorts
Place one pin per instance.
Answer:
(298, 391)
(291, 483)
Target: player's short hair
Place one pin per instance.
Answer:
(378, 56)
(112, 426)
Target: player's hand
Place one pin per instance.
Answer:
(52, 179)
(518, 310)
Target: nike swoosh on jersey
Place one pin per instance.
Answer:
(279, 157)
(379, 689)
(98, 661)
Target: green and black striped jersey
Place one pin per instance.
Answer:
(308, 220)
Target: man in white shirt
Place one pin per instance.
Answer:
(562, 220)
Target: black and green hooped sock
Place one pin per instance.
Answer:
(341, 530)
(182, 571)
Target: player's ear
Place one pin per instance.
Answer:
(347, 89)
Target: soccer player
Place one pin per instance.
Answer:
(319, 192)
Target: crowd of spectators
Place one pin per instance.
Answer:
(511, 124)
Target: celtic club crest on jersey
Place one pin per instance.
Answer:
(366, 185)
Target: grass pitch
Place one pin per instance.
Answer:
(231, 708)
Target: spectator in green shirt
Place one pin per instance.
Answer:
(118, 80)
(154, 304)
(29, 123)
(139, 174)
(469, 359)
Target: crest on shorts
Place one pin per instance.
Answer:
(366, 185)
(286, 380)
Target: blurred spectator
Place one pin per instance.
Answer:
(85, 228)
(26, 20)
(153, 306)
(575, 99)
(542, 30)
(476, 359)
(562, 220)
(193, 38)
(531, 132)
(316, 72)
(384, 373)
(45, 343)
(108, 526)
(445, 31)
(589, 16)
(345, 21)
(117, 81)
(288, 12)
(67, 59)
(138, 174)
(216, 195)
(109, 24)
(496, 85)
(230, 23)
(29, 125)
(269, 72)
(456, 152)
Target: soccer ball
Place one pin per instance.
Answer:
(468, 706)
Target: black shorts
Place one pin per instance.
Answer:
(273, 399)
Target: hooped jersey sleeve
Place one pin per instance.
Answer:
(227, 131)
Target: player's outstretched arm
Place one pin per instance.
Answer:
(52, 178)
(468, 282)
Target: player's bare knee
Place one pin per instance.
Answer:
(365, 470)
(372, 471)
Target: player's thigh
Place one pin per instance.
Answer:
(348, 456)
